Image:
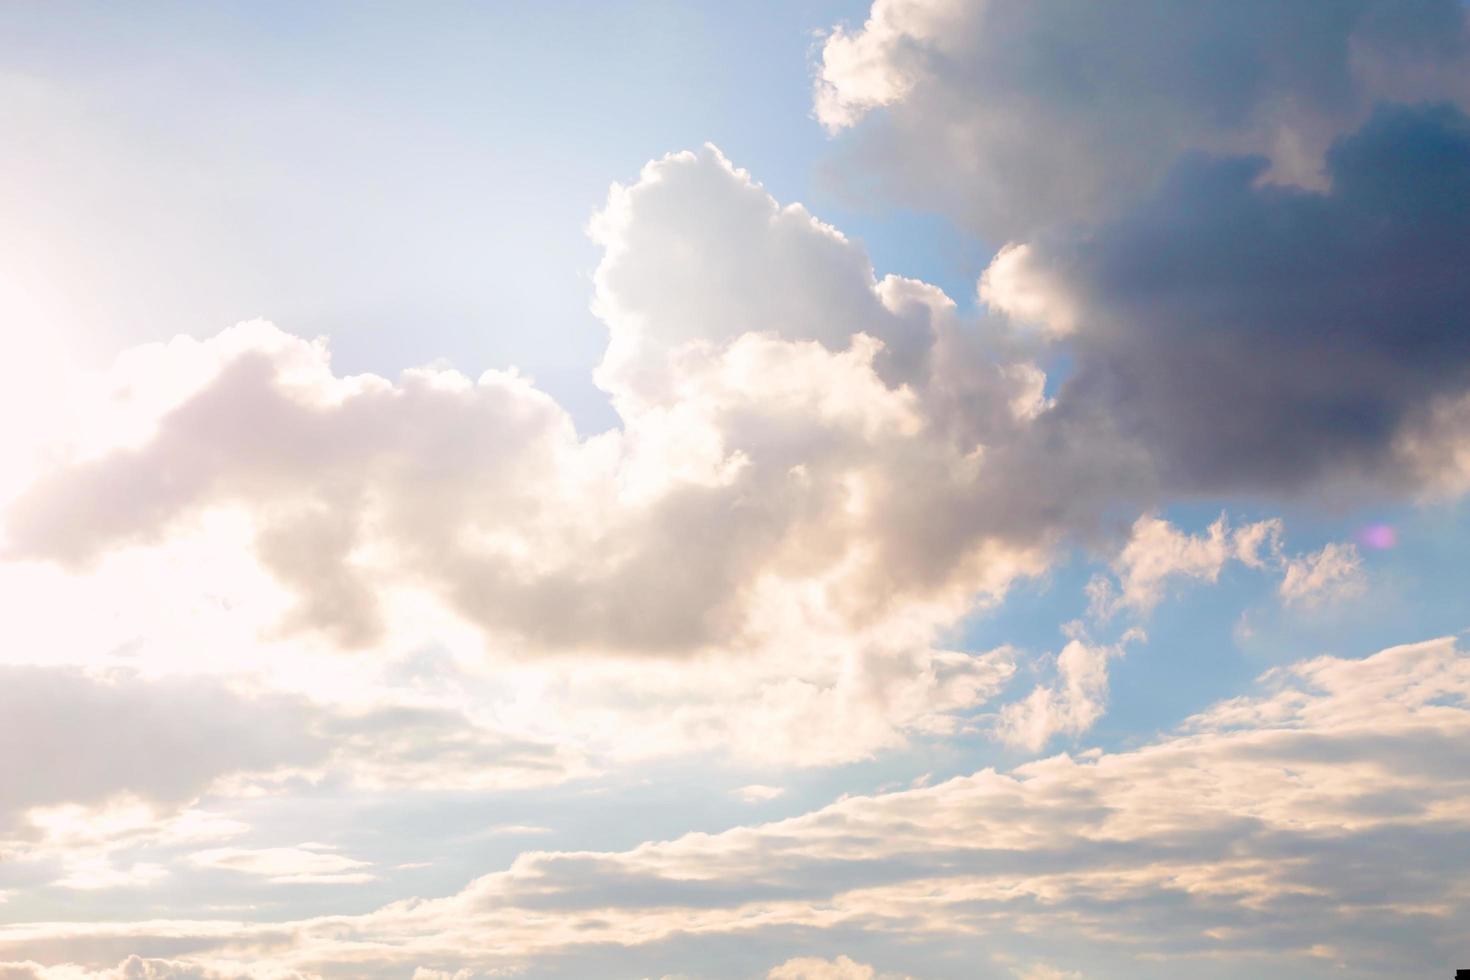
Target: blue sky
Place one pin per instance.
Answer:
(802, 491)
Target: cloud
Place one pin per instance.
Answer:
(166, 740)
(819, 474)
(389, 745)
(513, 830)
(1325, 809)
(814, 968)
(1255, 284)
(810, 458)
(1014, 117)
(783, 425)
(1157, 552)
(1071, 705)
(1329, 575)
(1258, 284)
(1435, 449)
(140, 968)
(1013, 285)
(1258, 338)
(756, 793)
(1043, 971)
(107, 773)
(305, 864)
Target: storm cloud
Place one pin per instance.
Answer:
(1255, 337)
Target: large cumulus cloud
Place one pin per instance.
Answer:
(818, 473)
(801, 443)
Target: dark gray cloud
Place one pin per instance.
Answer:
(1253, 336)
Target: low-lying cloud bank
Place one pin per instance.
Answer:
(1316, 826)
(800, 443)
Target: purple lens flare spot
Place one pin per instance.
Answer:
(1379, 537)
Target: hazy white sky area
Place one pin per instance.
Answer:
(929, 489)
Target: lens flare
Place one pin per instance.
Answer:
(1379, 537)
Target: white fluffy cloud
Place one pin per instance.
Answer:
(305, 864)
(1043, 971)
(1014, 286)
(1073, 703)
(1158, 553)
(818, 473)
(816, 968)
(757, 793)
(1335, 572)
(800, 441)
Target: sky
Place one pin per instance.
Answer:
(922, 489)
